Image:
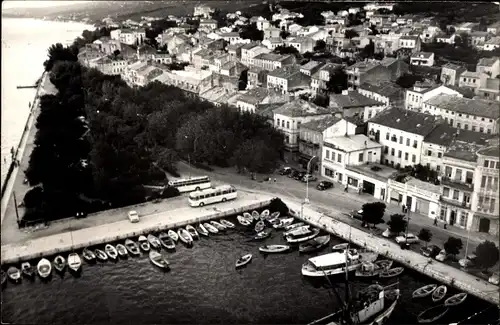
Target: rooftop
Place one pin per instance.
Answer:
(285, 72)
(493, 151)
(453, 66)
(255, 95)
(444, 134)
(463, 151)
(351, 100)
(425, 55)
(487, 62)
(249, 46)
(389, 89)
(272, 57)
(301, 108)
(380, 172)
(234, 47)
(310, 65)
(409, 38)
(267, 110)
(351, 143)
(328, 259)
(320, 125)
(408, 121)
(477, 107)
(424, 185)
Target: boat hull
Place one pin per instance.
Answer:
(338, 271)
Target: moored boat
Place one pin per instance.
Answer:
(295, 225)
(264, 215)
(154, 241)
(44, 268)
(88, 255)
(219, 226)
(424, 291)
(210, 228)
(166, 241)
(184, 236)
(384, 264)
(297, 229)
(340, 247)
(74, 262)
(14, 274)
(143, 243)
(27, 269)
(4, 278)
(227, 224)
(367, 270)
(157, 259)
(439, 293)
(283, 223)
(391, 272)
(122, 250)
(259, 226)
(314, 244)
(302, 236)
(132, 247)
(101, 255)
(243, 221)
(330, 264)
(262, 235)
(173, 235)
(244, 260)
(455, 299)
(202, 230)
(111, 251)
(432, 314)
(192, 231)
(248, 216)
(59, 263)
(274, 215)
(255, 215)
(270, 249)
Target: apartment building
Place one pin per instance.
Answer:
(190, 79)
(272, 61)
(489, 66)
(287, 79)
(422, 92)
(389, 93)
(450, 73)
(111, 65)
(251, 50)
(320, 78)
(422, 58)
(362, 72)
(352, 103)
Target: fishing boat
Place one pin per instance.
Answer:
(74, 262)
(295, 225)
(157, 259)
(340, 247)
(244, 260)
(455, 299)
(295, 230)
(384, 264)
(248, 216)
(217, 225)
(101, 255)
(44, 268)
(166, 241)
(262, 235)
(185, 237)
(314, 244)
(270, 249)
(274, 215)
(122, 250)
(202, 230)
(173, 235)
(243, 221)
(192, 231)
(424, 291)
(14, 274)
(255, 215)
(154, 241)
(132, 247)
(210, 228)
(283, 223)
(274, 222)
(88, 255)
(27, 269)
(330, 264)
(59, 263)
(390, 273)
(432, 314)
(227, 224)
(143, 243)
(111, 251)
(366, 256)
(4, 278)
(260, 226)
(302, 236)
(264, 215)
(367, 270)
(439, 293)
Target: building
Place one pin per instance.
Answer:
(450, 74)
(161, 58)
(411, 43)
(271, 33)
(311, 67)
(494, 28)
(111, 65)
(352, 103)
(262, 23)
(477, 39)
(466, 27)
(272, 61)
(130, 36)
(287, 79)
(320, 78)
(490, 90)
(257, 77)
(251, 50)
(190, 79)
(489, 66)
(389, 93)
(422, 58)
(444, 38)
(107, 45)
(492, 44)
(208, 25)
(472, 80)
(362, 72)
(203, 11)
(397, 67)
(232, 69)
(273, 43)
(386, 43)
(422, 92)
(249, 102)
(234, 51)
(302, 44)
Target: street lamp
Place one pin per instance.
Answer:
(307, 179)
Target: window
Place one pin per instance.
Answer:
(392, 151)
(492, 205)
(440, 155)
(287, 124)
(406, 156)
(473, 128)
(386, 149)
(481, 129)
(496, 165)
(483, 181)
(482, 118)
(413, 158)
(400, 140)
(458, 125)
(407, 142)
(463, 219)
(327, 156)
(488, 131)
(446, 191)
(466, 126)
(339, 158)
(486, 163)
(438, 168)
(278, 122)
(451, 121)
(469, 177)
(282, 123)
(414, 143)
(495, 183)
(333, 155)
(455, 194)
(360, 158)
(488, 182)
(399, 153)
(429, 153)
(328, 172)
(492, 164)
(387, 136)
(458, 175)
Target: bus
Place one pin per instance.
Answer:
(212, 195)
(191, 184)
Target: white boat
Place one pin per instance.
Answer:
(44, 268)
(432, 314)
(219, 226)
(264, 215)
(330, 264)
(314, 244)
(455, 299)
(300, 237)
(296, 229)
(122, 250)
(166, 241)
(210, 228)
(154, 241)
(14, 274)
(243, 221)
(389, 273)
(263, 234)
(424, 291)
(340, 247)
(184, 236)
(192, 231)
(367, 270)
(143, 243)
(74, 262)
(439, 293)
(294, 225)
(227, 224)
(101, 255)
(260, 226)
(244, 260)
(269, 249)
(173, 235)
(111, 251)
(202, 230)
(157, 259)
(248, 216)
(255, 215)
(132, 247)
(377, 309)
(283, 223)
(88, 255)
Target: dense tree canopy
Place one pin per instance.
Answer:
(251, 32)
(486, 255)
(425, 235)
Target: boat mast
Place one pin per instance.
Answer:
(347, 316)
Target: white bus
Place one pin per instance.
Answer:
(212, 195)
(191, 184)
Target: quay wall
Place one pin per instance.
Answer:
(74, 240)
(438, 271)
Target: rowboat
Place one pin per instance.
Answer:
(217, 225)
(154, 241)
(314, 244)
(283, 223)
(143, 243)
(260, 226)
(210, 228)
(4, 278)
(27, 269)
(157, 259)
(101, 256)
(132, 247)
(192, 231)
(367, 270)
(173, 235)
(255, 215)
(455, 299)
(439, 293)
(263, 234)
(391, 272)
(302, 236)
(295, 225)
(184, 236)
(424, 291)
(384, 264)
(111, 251)
(248, 216)
(88, 255)
(74, 262)
(122, 250)
(269, 249)
(59, 263)
(227, 224)
(264, 215)
(244, 260)
(166, 241)
(202, 230)
(243, 221)
(44, 268)
(340, 247)
(432, 314)
(14, 274)
(274, 215)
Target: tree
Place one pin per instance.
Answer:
(374, 212)
(408, 80)
(397, 223)
(278, 205)
(320, 46)
(57, 52)
(337, 81)
(453, 245)
(425, 235)
(368, 51)
(243, 80)
(284, 34)
(283, 49)
(487, 255)
(349, 33)
(251, 32)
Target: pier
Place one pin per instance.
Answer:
(438, 271)
(25, 87)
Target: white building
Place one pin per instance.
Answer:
(422, 58)
(416, 195)
(420, 93)
(203, 11)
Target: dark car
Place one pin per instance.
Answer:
(285, 171)
(357, 214)
(430, 251)
(299, 176)
(324, 185)
(293, 173)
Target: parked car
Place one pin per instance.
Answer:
(407, 238)
(299, 176)
(285, 171)
(324, 185)
(494, 278)
(443, 256)
(133, 216)
(467, 261)
(308, 178)
(388, 233)
(430, 251)
(293, 173)
(357, 214)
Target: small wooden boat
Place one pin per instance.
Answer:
(27, 269)
(262, 235)
(432, 314)
(202, 230)
(44, 268)
(184, 236)
(243, 221)
(88, 255)
(74, 262)
(143, 243)
(455, 299)
(260, 226)
(283, 223)
(219, 226)
(14, 274)
(264, 215)
(173, 235)
(384, 264)
(274, 215)
(166, 241)
(132, 247)
(391, 272)
(192, 231)
(154, 241)
(270, 249)
(255, 215)
(122, 250)
(439, 293)
(227, 224)
(111, 251)
(157, 259)
(367, 270)
(340, 247)
(4, 278)
(302, 236)
(295, 225)
(101, 255)
(424, 291)
(59, 263)
(248, 216)
(244, 260)
(314, 244)
(210, 228)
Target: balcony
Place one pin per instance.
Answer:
(309, 143)
(455, 203)
(464, 186)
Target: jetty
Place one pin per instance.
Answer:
(438, 271)
(24, 87)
